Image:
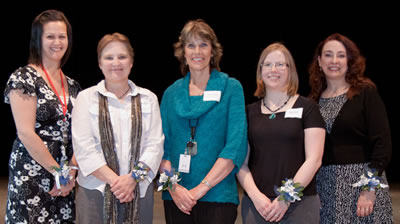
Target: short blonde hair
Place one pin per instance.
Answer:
(199, 29)
(108, 38)
(293, 81)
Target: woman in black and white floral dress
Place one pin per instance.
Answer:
(41, 98)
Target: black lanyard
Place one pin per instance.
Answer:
(193, 129)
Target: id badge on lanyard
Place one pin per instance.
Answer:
(190, 150)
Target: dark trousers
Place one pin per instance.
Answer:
(202, 213)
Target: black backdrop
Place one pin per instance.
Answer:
(244, 30)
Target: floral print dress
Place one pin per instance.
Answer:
(28, 200)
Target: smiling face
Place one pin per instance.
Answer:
(54, 41)
(198, 54)
(115, 62)
(275, 71)
(333, 60)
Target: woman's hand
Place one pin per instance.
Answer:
(262, 203)
(365, 203)
(199, 191)
(182, 198)
(64, 191)
(276, 211)
(123, 188)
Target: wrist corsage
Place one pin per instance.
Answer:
(370, 181)
(289, 191)
(168, 179)
(61, 174)
(140, 172)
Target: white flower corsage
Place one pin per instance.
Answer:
(289, 191)
(140, 172)
(61, 174)
(168, 179)
(370, 181)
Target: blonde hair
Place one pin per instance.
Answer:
(293, 81)
(108, 38)
(197, 29)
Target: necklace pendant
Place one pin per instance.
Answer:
(272, 116)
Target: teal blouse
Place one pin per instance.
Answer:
(221, 132)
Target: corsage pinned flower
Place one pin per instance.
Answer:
(61, 174)
(141, 172)
(370, 181)
(289, 191)
(168, 179)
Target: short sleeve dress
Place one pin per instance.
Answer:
(29, 182)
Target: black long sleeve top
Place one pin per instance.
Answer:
(360, 133)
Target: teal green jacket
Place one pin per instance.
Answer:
(221, 132)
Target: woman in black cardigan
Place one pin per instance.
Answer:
(357, 139)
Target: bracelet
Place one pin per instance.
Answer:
(140, 172)
(207, 184)
(61, 174)
(168, 179)
(289, 191)
(370, 181)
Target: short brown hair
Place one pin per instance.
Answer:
(293, 82)
(197, 28)
(108, 38)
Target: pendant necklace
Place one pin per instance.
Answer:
(273, 115)
(63, 104)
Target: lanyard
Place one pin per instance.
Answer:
(193, 128)
(63, 104)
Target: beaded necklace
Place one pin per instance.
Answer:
(273, 115)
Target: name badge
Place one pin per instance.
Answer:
(184, 163)
(294, 113)
(212, 96)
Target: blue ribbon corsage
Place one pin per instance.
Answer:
(370, 181)
(289, 191)
(168, 179)
(61, 174)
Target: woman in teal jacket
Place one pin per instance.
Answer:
(204, 123)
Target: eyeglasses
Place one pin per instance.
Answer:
(277, 65)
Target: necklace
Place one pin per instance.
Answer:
(273, 115)
(129, 88)
(63, 104)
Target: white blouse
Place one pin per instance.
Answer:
(86, 136)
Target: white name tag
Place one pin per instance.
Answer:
(212, 96)
(184, 163)
(294, 113)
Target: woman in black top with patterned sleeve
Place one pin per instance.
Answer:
(358, 136)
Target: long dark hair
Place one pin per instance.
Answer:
(354, 75)
(35, 48)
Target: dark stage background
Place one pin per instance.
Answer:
(244, 30)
